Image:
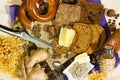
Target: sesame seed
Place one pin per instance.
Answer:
(114, 20)
(116, 17)
(109, 19)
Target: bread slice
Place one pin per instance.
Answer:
(95, 39)
(102, 37)
(84, 33)
(62, 49)
(90, 12)
(67, 14)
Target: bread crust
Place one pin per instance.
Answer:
(95, 39)
(102, 37)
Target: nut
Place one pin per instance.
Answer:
(57, 56)
(111, 13)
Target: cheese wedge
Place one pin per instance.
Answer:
(81, 55)
(66, 36)
(82, 58)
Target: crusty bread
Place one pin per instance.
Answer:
(84, 37)
(102, 37)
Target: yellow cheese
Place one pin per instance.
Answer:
(66, 37)
(81, 55)
(82, 58)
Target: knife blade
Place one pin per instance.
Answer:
(25, 36)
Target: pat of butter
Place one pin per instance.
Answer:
(82, 58)
(66, 37)
(14, 2)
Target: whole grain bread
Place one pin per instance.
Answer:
(102, 37)
(91, 12)
(67, 14)
(95, 39)
(61, 49)
(84, 37)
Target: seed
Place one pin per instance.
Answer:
(116, 17)
(119, 23)
(109, 19)
(114, 20)
(109, 22)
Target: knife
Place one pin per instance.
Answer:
(25, 36)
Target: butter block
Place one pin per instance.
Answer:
(66, 36)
